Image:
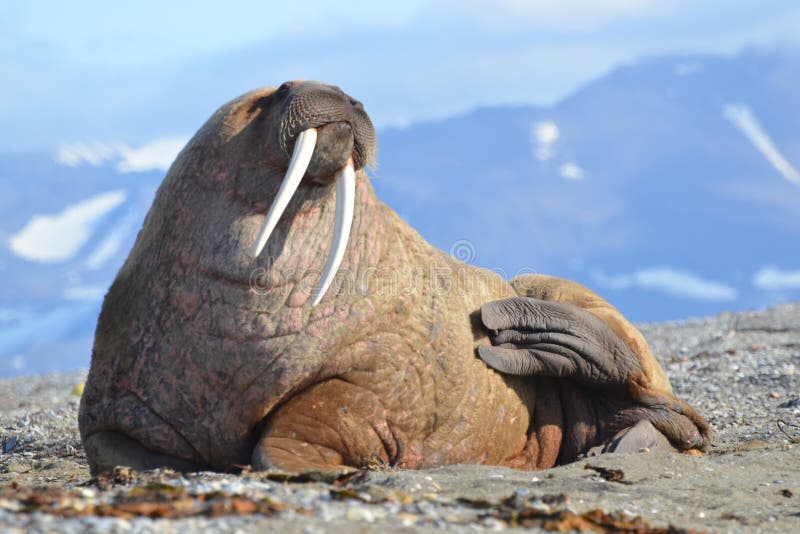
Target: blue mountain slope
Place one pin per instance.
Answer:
(48, 309)
(660, 184)
(643, 185)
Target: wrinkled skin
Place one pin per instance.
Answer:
(206, 358)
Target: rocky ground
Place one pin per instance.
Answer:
(741, 370)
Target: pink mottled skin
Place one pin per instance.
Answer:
(189, 358)
(207, 356)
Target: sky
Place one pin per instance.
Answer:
(98, 71)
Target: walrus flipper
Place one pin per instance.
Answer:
(641, 436)
(537, 337)
(106, 450)
(532, 337)
(554, 289)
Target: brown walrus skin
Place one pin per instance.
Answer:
(208, 358)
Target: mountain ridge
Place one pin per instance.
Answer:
(652, 185)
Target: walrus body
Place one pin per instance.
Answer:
(206, 358)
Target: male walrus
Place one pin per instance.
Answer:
(223, 342)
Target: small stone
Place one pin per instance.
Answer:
(11, 506)
(18, 466)
(9, 445)
(360, 514)
(493, 524)
(407, 519)
(791, 403)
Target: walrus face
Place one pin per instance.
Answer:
(326, 136)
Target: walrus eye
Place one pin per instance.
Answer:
(345, 203)
(283, 90)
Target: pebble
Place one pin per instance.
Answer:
(360, 514)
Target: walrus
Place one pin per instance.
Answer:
(273, 312)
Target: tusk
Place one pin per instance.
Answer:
(345, 202)
(303, 149)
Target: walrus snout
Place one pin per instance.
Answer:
(330, 136)
(334, 147)
(317, 105)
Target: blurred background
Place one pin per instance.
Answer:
(646, 148)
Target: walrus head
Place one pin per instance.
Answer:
(324, 136)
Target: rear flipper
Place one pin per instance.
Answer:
(534, 337)
(108, 449)
(642, 436)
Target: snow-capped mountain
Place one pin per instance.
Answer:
(69, 220)
(670, 186)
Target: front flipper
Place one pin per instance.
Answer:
(553, 289)
(538, 337)
(290, 455)
(108, 449)
(534, 337)
(334, 425)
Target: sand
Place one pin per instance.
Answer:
(741, 370)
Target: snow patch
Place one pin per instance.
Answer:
(671, 281)
(571, 171)
(743, 118)
(111, 243)
(544, 134)
(157, 154)
(774, 279)
(57, 238)
(78, 154)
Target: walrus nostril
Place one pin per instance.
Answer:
(334, 147)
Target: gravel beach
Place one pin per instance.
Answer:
(742, 372)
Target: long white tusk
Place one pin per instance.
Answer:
(303, 149)
(345, 201)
